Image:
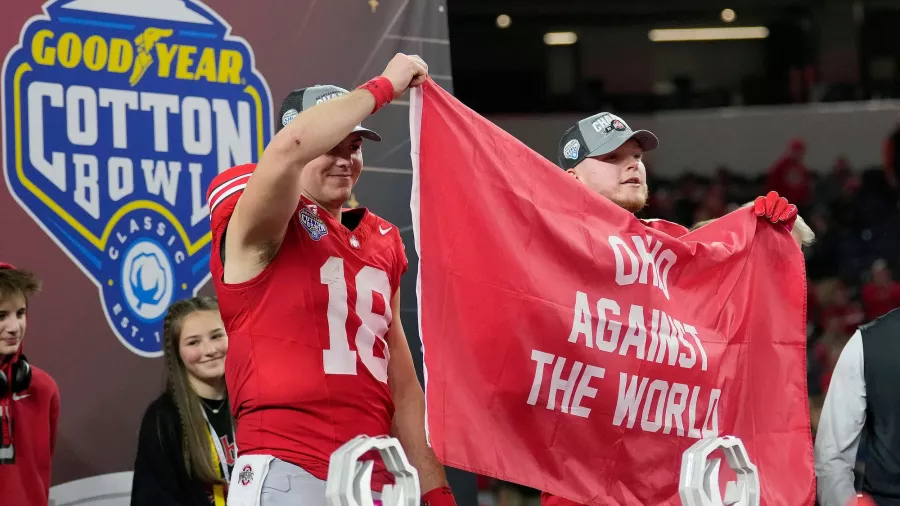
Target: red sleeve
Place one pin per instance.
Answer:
(221, 197)
(776, 174)
(224, 192)
(402, 263)
(866, 293)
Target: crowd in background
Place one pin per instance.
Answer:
(853, 268)
(850, 267)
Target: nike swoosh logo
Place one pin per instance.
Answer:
(384, 230)
(17, 397)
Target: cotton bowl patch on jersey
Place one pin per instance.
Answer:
(314, 225)
(117, 116)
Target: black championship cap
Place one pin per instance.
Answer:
(298, 101)
(598, 135)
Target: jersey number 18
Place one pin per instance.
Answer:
(339, 358)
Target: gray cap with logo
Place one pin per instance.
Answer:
(300, 100)
(598, 135)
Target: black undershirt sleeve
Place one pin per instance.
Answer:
(158, 461)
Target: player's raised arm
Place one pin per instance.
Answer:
(261, 216)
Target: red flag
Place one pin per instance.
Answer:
(571, 348)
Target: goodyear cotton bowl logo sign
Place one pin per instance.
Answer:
(117, 115)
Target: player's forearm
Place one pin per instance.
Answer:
(270, 199)
(318, 129)
(409, 428)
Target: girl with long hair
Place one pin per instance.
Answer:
(186, 445)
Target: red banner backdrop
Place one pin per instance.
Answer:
(571, 348)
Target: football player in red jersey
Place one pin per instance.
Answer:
(605, 154)
(309, 294)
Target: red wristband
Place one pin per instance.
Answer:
(380, 88)
(441, 496)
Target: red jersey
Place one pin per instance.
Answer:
(307, 360)
(34, 412)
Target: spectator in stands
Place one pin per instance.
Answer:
(881, 294)
(662, 201)
(713, 204)
(790, 177)
(827, 349)
(839, 186)
(820, 258)
(186, 446)
(847, 313)
(688, 195)
(29, 400)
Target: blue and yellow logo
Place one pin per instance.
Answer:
(117, 115)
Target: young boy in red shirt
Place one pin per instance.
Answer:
(29, 400)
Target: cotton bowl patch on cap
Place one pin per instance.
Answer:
(572, 149)
(300, 100)
(598, 135)
(288, 116)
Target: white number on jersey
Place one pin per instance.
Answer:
(339, 358)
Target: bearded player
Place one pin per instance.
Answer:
(606, 155)
(603, 153)
(309, 294)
